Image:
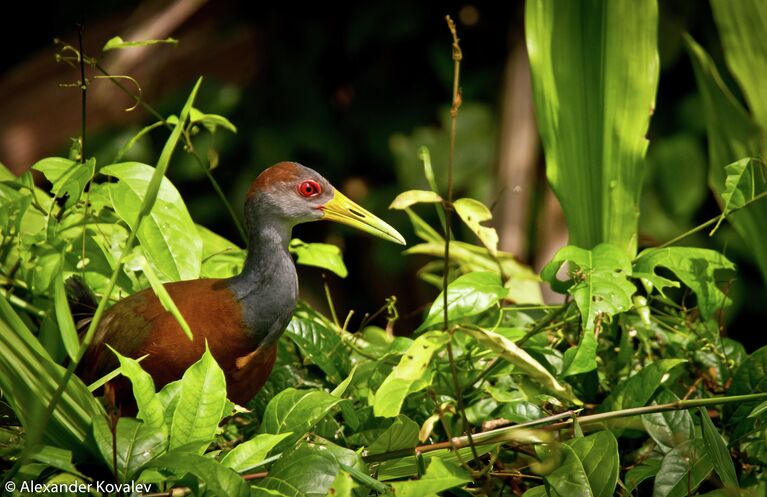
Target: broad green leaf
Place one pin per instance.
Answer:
(342, 486)
(321, 255)
(116, 43)
(167, 235)
(598, 454)
(467, 296)
(594, 71)
(569, 479)
(636, 475)
(251, 453)
(732, 135)
(601, 289)
(200, 404)
(412, 197)
(137, 443)
(218, 479)
(439, 477)
(296, 411)
(742, 25)
(388, 399)
(319, 342)
(670, 428)
(55, 457)
(150, 407)
(695, 267)
(310, 469)
(401, 434)
(682, 470)
(741, 186)
(640, 388)
(220, 257)
(716, 451)
(474, 213)
(68, 177)
(758, 410)
(511, 352)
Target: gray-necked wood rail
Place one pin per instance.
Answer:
(241, 317)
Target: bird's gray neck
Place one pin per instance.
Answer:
(267, 287)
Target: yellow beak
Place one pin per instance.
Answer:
(342, 210)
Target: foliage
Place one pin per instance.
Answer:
(592, 397)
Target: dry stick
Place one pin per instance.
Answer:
(448, 208)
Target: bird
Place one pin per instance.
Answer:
(239, 318)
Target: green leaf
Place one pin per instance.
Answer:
(218, 479)
(200, 404)
(467, 296)
(116, 43)
(732, 135)
(473, 213)
(439, 477)
(640, 388)
(594, 79)
(598, 454)
(408, 466)
(739, 187)
(64, 317)
(167, 235)
(137, 443)
(69, 178)
(695, 267)
(401, 434)
(319, 342)
(412, 197)
(682, 470)
(514, 354)
(306, 471)
(751, 377)
(296, 411)
(321, 255)
(670, 428)
(717, 452)
(150, 407)
(742, 25)
(388, 399)
(636, 475)
(601, 289)
(758, 410)
(569, 479)
(251, 453)
(211, 122)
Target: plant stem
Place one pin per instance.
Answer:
(83, 92)
(448, 208)
(711, 221)
(505, 434)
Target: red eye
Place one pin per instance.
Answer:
(309, 188)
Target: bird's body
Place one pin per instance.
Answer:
(241, 317)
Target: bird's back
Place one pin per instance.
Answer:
(139, 325)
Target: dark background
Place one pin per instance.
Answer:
(353, 91)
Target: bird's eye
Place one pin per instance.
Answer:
(309, 188)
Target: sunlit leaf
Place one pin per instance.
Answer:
(598, 454)
(116, 43)
(217, 478)
(296, 411)
(401, 434)
(321, 255)
(250, 453)
(474, 213)
(68, 177)
(594, 71)
(136, 444)
(438, 478)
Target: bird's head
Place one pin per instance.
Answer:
(296, 194)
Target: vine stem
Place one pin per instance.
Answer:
(448, 209)
(711, 221)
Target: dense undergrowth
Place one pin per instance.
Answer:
(627, 388)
